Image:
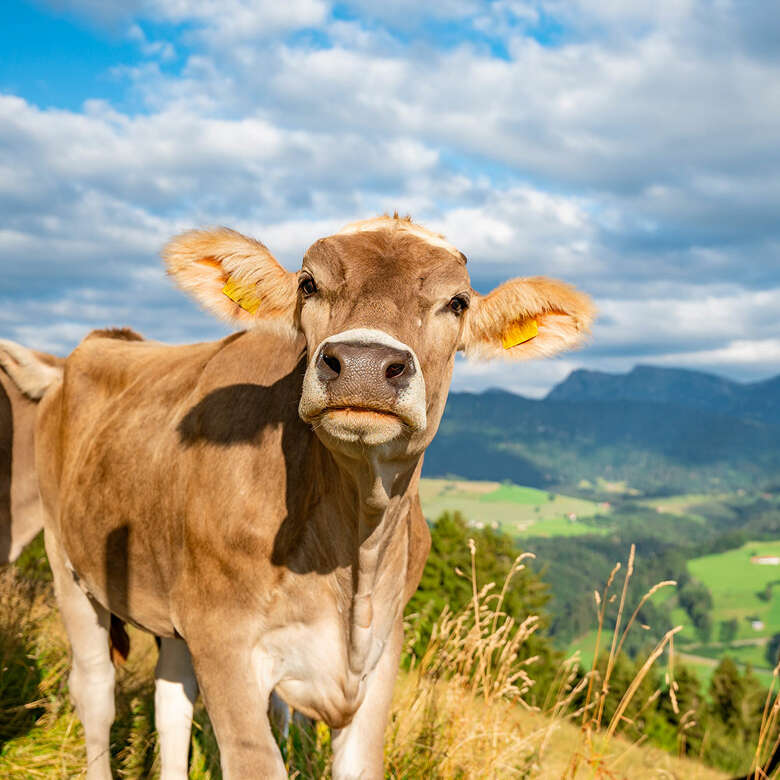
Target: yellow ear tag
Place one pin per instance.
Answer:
(243, 295)
(519, 333)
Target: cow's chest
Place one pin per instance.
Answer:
(315, 664)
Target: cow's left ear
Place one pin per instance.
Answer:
(527, 318)
(233, 276)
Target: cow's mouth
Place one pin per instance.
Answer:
(362, 410)
(367, 424)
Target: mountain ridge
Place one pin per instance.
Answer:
(687, 387)
(664, 431)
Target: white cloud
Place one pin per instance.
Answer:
(532, 379)
(637, 157)
(223, 21)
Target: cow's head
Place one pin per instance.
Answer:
(383, 305)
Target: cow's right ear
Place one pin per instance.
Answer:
(233, 276)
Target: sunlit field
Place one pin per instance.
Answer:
(516, 510)
(462, 708)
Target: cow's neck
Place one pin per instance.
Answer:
(380, 494)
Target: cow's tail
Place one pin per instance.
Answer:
(31, 372)
(118, 641)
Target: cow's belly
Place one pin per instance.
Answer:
(118, 573)
(311, 667)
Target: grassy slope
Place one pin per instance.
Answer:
(436, 729)
(681, 504)
(518, 511)
(735, 583)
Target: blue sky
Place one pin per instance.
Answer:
(630, 148)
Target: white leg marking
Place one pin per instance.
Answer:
(92, 676)
(175, 691)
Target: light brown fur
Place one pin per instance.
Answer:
(563, 315)
(25, 376)
(188, 496)
(205, 259)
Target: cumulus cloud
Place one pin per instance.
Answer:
(627, 147)
(223, 21)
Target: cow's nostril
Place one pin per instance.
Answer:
(332, 363)
(394, 370)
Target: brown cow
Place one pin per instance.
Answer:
(24, 377)
(257, 497)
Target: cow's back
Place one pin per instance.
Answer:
(147, 439)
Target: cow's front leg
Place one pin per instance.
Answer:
(175, 693)
(358, 749)
(236, 688)
(91, 678)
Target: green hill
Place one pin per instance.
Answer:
(517, 511)
(658, 447)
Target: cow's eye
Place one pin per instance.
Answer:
(307, 286)
(459, 304)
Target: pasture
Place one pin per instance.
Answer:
(517, 511)
(442, 723)
(735, 584)
(684, 503)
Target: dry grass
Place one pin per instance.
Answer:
(441, 731)
(461, 711)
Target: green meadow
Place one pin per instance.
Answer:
(735, 583)
(516, 510)
(683, 504)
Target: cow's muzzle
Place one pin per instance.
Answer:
(360, 378)
(352, 372)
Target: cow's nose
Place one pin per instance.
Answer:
(370, 369)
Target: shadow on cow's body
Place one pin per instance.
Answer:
(238, 414)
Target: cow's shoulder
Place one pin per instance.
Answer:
(263, 357)
(253, 372)
(103, 366)
(251, 385)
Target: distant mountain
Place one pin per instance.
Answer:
(660, 430)
(757, 400)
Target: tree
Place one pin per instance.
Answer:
(696, 599)
(727, 692)
(687, 723)
(773, 650)
(734, 716)
(728, 630)
(495, 552)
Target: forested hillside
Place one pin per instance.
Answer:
(660, 431)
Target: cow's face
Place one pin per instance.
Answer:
(383, 305)
(382, 312)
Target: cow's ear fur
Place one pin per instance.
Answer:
(562, 315)
(204, 262)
